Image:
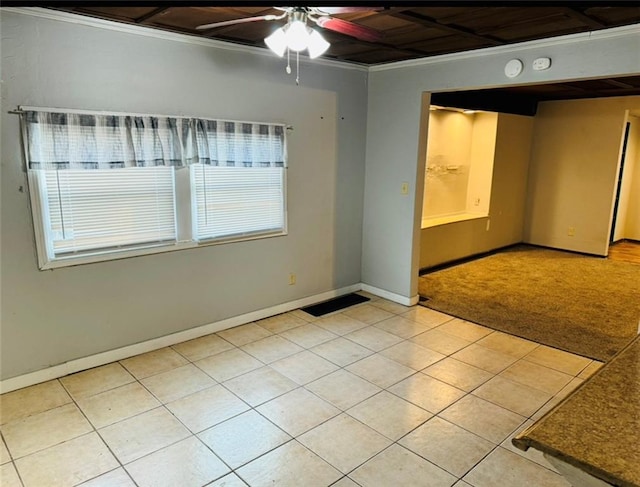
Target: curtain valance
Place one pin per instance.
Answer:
(71, 140)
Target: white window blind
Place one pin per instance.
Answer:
(108, 186)
(233, 202)
(106, 209)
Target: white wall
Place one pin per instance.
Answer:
(55, 316)
(573, 174)
(510, 148)
(391, 235)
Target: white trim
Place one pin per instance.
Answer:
(397, 298)
(167, 35)
(512, 48)
(103, 358)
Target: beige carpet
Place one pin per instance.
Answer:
(581, 304)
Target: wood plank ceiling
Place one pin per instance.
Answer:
(409, 32)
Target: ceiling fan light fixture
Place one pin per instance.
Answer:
(277, 42)
(317, 44)
(297, 36)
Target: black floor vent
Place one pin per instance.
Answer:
(334, 304)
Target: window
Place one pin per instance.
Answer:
(106, 208)
(236, 202)
(111, 186)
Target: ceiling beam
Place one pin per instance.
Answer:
(411, 53)
(618, 84)
(220, 31)
(144, 18)
(572, 87)
(416, 18)
(375, 46)
(585, 19)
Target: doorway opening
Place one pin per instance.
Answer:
(616, 204)
(625, 220)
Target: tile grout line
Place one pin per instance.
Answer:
(295, 438)
(11, 459)
(382, 389)
(251, 408)
(303, 386)
(95, 430)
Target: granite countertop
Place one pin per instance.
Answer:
(597, 428)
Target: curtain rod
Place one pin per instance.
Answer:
(22, 110)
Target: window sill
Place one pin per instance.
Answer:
(451, 218)
(149, 250)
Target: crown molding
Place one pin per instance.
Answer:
(167, 35)
(614, 32)
(58, 15)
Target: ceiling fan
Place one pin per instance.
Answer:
(297, 36)
(297, 18)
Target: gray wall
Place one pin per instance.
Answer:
(391, 235)
(49, 317)
(348, 221)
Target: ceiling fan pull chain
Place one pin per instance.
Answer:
(297, 68)
(288, 68)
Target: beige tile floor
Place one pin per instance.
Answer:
(376, 395)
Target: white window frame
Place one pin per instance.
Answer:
(184, 214)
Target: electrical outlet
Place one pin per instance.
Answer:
(571, 232)
(292, 279)
(404, 189)
(476, 202)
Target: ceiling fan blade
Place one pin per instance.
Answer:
(347, 10)
(349, 28)
(237, 21)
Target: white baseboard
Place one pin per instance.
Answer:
(107, 357)
(391, 296)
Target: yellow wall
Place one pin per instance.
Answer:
(449, 143)
(504, 226)
(628, 225)
(481, 160)
(573, 172)
(465, 144)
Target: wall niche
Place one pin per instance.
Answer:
(459, 165)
